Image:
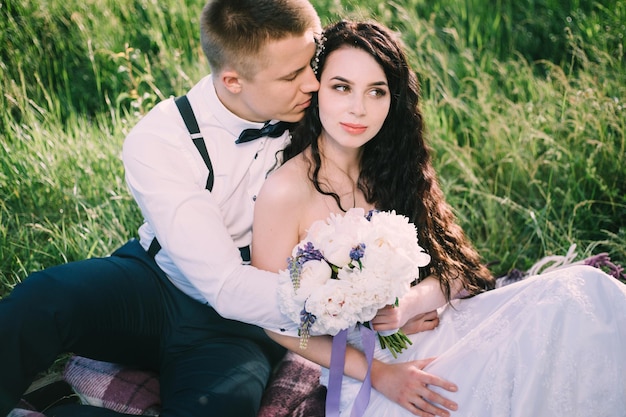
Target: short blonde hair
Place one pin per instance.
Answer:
(234, 32)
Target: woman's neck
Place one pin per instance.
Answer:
(338, 160)
(339, 172)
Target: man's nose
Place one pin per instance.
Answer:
(310, 83)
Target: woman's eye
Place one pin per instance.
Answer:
(341, 87)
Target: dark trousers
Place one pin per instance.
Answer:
(123, 309)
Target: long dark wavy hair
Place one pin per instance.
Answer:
(396, 167)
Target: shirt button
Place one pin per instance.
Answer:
(253, 198)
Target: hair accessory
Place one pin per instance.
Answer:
(319, 42)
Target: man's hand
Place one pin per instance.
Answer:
(408, 385)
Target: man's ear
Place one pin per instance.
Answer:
(231, 80)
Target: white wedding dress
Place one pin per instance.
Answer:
(550, 345)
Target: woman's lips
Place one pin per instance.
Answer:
(352, 128)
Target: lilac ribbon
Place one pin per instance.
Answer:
(337, 364)
(337, 361)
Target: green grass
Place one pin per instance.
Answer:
(525, 104)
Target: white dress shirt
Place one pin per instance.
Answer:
(200, 231)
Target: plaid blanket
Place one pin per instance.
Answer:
(293, 391)
(24, 410)
(112, 386)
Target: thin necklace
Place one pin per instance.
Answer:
(330, 161)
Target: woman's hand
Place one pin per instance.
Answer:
(391, 318)
(408, 385)
(416, 311)
(422, 322)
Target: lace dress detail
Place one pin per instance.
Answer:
(550, 345)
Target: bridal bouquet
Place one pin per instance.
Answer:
(346, 269)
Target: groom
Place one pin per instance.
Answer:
(180, 309)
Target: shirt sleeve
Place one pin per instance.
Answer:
(168, 184)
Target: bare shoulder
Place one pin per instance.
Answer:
(288, 186)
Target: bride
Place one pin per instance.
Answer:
(550, 345)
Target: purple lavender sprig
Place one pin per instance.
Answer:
(370, 213)
(303, 254)
(357, 253)
(602, 260)
(304, 331)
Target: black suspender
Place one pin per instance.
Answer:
(191, 123)
(186, 112)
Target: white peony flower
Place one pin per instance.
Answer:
(314, 274)
(329, 304)
(318, 233)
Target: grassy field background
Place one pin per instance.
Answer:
(525, 103)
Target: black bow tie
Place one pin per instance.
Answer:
(272, 131)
